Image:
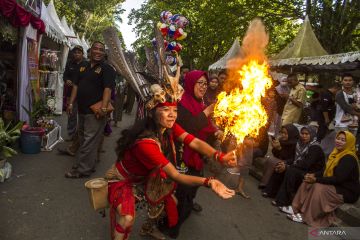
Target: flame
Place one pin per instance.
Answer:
(240, 112)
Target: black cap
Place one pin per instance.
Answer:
(78, 47)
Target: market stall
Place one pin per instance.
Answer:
(8, 70)
(334, 63)
(19, 27)
(304, 45)
(54, 57)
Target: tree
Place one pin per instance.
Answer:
(90, 17)
(215, 24)
(336, 23)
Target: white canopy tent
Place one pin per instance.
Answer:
(55, 18)
(233, 52)
(75, 40)
(69, 33)
(52, 30)
(85, 44)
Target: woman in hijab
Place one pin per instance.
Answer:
(194, 117)
(283, 150)
(309, 158)
(212, 92)
(322, 192)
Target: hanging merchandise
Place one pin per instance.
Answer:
(49, 64)
(33, 68)
(49, 60)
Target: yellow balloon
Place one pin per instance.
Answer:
(159, 25)
(182, 37)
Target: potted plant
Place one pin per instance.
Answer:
(38, 110)
(31, 135)
(8, 135)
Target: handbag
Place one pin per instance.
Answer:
(98, 193)
(97, 107)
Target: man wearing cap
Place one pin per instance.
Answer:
(70, 73)
(93, 85)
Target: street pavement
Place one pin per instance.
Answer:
(38, 203)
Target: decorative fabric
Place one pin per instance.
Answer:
(121, 193)
(19, 17)
(336, 155)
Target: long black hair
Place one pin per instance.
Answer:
(144, 128)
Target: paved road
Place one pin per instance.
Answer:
(38, 203)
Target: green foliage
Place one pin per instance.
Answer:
(336, 23)
(215, 24)
(7, 138)
(39, 109)
(90, 17)
(8, 33)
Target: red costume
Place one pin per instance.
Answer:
(138, 162)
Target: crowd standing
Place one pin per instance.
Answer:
(176, 140)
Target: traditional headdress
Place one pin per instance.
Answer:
(155, 84)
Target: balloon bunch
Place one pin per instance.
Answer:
(172, 28)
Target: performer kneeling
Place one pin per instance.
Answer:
(144, 154)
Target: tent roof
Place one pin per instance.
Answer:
(76, 40)
(343, 62)
(66, 28)
(305, 44)
(51, 28)
(234, 51)
(85, 44)
(52, 12)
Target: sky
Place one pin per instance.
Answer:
(126, 29)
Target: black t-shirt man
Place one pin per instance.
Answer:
(71, 72)
(327, 100)
(91, 82)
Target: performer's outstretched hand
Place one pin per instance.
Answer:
(220, 189)
(229, 159)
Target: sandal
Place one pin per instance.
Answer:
(75, 174)
(243, 194)
(66, 151)
(153, 232)
(295, 217)
(287, 209)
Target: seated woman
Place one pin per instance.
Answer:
(309, 158)
(283, 150)
(321, 193)
(144, 153)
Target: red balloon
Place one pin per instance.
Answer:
(178, 33)
(164, 29)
